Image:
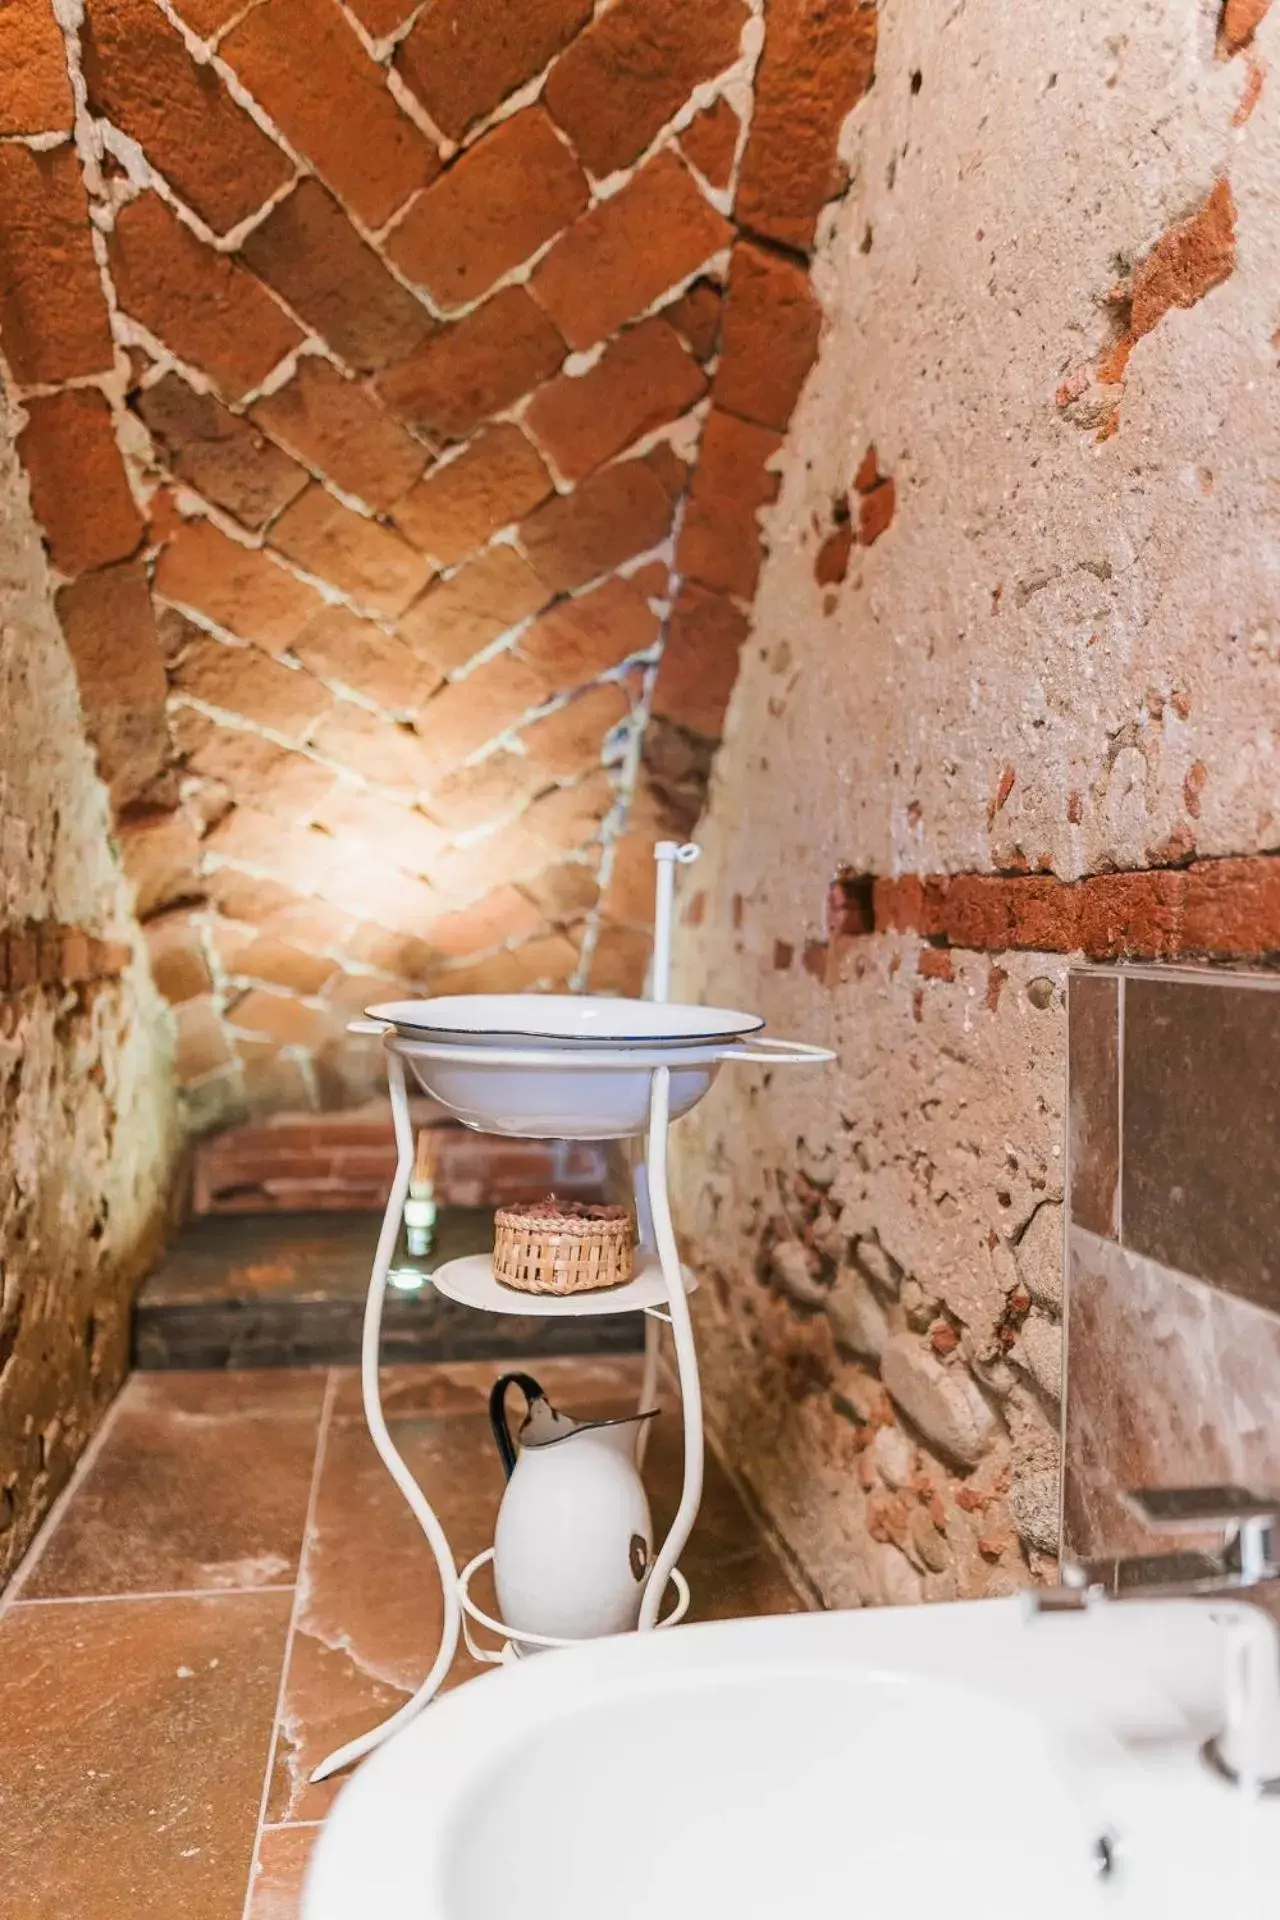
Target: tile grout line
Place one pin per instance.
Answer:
(1120, 1003)
(53, 1519)
(317, 1467)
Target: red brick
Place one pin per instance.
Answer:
(720, 539)
(302, 856)
(240, 588)
(578, 639)
(203, 1046)
(628, 897)
(613, 514)
(547, 961)
(205, 17)
(280, 1016)
(513, 853)
(476, 367)
(462, 57)
(566, 891)
(493, 482)
(495, 206)
(934, 963)
(79, 489)
(1185, 262)
(392, 756)
(140, 76)
(620, 960)
(570, 741)
(818, 61)
(696, 317)
(502, 915)
(468, 713)
(366, 561)
(699, 661)
(338, 428)
(359, 655)
(178, 965)
(218, 453)
(275, 1082)
(397, 836)
(831, 562)
(497, 785)
(875, 511)
(303, 62)
(455, 618)
(1237, 24)
(33, 60)
(248, 767)
(624, 78)
(396, 899)
(272, 908)
(245, 681)
(1232, 907)
(201, 303)
(1128, 915)
(53, 317)
(769, 338)
(568, 818)
(641, 380)
(381, 17)
(110, 631)
(161, 854)
(263, 957)
(311, 254)
(710, 141)
(622, 255)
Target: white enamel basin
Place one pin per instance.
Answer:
(907, 1764)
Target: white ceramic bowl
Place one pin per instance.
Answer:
(562, 1020)
(565, 1094)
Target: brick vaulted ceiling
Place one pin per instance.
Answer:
(397, 387)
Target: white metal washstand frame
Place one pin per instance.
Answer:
(656, 1236)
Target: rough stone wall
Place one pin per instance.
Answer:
(400, 384)
(1012, 693)
(86, 1115)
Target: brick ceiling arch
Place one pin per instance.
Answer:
(397, 389)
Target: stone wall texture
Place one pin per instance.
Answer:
(86, 1112)
(1011, 692)
(401, 384)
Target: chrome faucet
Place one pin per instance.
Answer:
(1247, 1751)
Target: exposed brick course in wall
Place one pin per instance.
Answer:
(387, 425)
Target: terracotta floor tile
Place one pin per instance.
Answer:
(369, 1599)
(283, 1853)
(135, 1738)
(201, 1484)
(369, 1608)
(445, 1387)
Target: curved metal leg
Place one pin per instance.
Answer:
(421, 1508)
(686, 1352)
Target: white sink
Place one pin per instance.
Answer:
(909, 1763)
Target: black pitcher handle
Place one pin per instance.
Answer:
(498, 1414)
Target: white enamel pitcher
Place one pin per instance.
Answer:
(574, 1540)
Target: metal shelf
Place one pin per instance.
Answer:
(470, 1282)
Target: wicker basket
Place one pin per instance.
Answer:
(547, 1247)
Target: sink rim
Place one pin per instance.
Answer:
(376, 1843)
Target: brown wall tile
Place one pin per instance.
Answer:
(1093, 1109)
(1168, 1383)
(1201, 1121)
